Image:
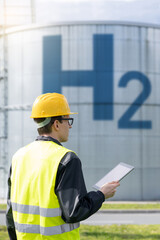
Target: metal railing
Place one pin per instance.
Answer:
(3, 182)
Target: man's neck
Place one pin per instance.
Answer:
(47, 138)
(52, 136)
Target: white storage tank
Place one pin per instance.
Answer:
(109, 72)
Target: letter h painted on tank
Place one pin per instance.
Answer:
(100, 78)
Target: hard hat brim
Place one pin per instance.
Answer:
(46, 116)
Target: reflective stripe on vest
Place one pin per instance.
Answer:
(46, 231)
(43, 212)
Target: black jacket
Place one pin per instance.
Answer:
(70, 187)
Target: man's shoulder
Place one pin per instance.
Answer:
(69, 156)
(22, 150)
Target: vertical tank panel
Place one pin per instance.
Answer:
(110, 75)
(25, 83)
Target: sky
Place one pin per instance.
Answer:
(147, 11)
(50, 11)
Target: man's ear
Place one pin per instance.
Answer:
(55, 125)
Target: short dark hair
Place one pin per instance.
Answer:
(48, 128)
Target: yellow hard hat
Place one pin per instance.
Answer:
(50, 105)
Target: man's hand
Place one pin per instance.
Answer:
(109, 189)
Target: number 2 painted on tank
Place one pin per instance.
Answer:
(125, 121)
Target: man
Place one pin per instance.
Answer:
(47, 196)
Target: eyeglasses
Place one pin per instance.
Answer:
(70, 120)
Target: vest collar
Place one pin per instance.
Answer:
(44, 138)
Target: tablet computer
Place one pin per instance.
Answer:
(116, 174)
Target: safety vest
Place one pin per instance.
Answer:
(36, 210)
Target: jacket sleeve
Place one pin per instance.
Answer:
(9, 214)
(75, 202)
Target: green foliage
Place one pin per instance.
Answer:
(134, 206)
(3, 233)
(116, 232)
(3, 206)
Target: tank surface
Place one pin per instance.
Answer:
(109, 72)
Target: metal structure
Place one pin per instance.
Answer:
(4, 108)
(17, 13)
(33, 11)
(109, 72)
(3, 104)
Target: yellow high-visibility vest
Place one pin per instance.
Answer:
(36, 210)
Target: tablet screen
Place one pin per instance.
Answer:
(116, 174)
